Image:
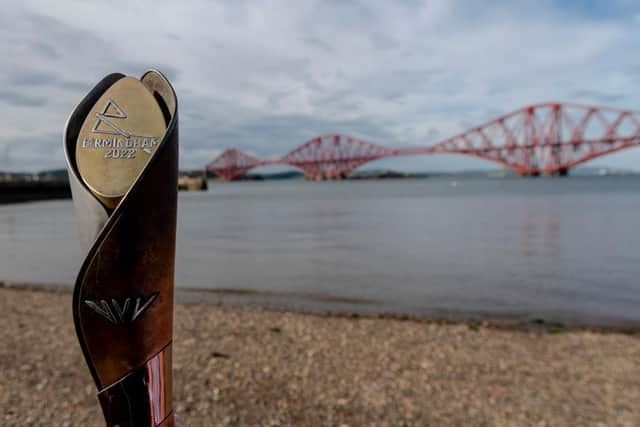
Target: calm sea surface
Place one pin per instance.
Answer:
(559, 249)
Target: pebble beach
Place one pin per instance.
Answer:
(255, 367)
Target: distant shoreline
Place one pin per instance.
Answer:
(23, 191)
(30, 191)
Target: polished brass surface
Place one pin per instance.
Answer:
(123, 296)
(117, 139)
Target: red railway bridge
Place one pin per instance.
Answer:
(548, 138)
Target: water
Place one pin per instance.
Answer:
(559, 249)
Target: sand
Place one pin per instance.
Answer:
(248, 366)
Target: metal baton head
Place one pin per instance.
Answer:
(117, 139)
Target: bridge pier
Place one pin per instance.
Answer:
(533, 174)
(559, 172)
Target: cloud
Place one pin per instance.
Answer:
(600, 97)
(266, 77)
(18, 99)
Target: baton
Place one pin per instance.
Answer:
(121, 148)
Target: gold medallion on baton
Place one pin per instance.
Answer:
(118, 138)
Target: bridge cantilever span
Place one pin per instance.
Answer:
(334, 156)
(548, 138)
(232, 163)
(545, 138)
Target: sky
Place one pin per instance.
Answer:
(266, 76)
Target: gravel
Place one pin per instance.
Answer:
(248, 366)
